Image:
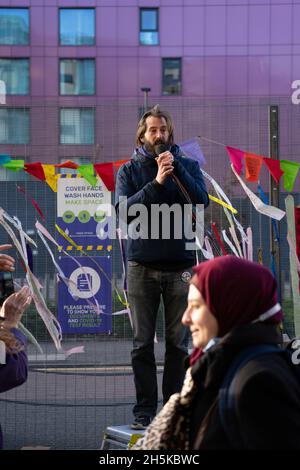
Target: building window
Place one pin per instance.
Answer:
(171, 76)
(77, 76)
(77, 26)
(149, 26)
(77, 126)
(14, 26)
(15, 74)
(14, 126)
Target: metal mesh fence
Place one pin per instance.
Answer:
(67, 403)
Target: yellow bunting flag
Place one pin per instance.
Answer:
(51, 177)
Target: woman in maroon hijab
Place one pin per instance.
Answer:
(232, 305)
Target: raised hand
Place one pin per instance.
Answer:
(7, 263)
(165, 166)
(14, 307)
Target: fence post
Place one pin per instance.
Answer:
(274, 192)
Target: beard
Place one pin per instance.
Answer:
(151, 147)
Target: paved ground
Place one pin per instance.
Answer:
(67, 404)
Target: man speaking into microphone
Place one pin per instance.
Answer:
(157, 267)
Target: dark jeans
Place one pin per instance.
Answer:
(145, 287)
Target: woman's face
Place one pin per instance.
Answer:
(203, 325)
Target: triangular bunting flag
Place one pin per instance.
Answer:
(236, 157)
(87, 171)
(119, 163)
(253, 165)
(67, 164)
(51, 177)
(35, 169)
(106, 173)
(4, 158)
(290, 172)
(274, 168)
(193, 150)
(14, 165)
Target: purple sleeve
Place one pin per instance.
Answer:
(14, 372)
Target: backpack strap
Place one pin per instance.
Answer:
(227, 393)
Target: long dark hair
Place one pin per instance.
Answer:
(142, 126)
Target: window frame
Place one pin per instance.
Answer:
(19, 108)
(29, 75)
(60, 8)
(61, 108)
(60, 59)
(141, 30)
(163, 68)
(29, 25)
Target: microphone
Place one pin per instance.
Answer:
(160, 148)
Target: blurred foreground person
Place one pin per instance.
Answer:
(13, 359)
(242, 391)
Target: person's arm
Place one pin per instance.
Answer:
(7, 263)
(14, 371)
(268, 412)
(192, 180)
(149, 194)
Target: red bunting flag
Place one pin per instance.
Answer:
(236, 157)
(67, 164)
(274, 168)
(35, 169)
(253, 165)
(119, 163)
(106, 173)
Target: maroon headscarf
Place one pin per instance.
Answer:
(236, 291)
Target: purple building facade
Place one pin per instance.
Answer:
(216, 66)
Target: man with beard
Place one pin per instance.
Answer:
(158, 173)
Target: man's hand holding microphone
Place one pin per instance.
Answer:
(165, 161)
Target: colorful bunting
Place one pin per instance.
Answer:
(193, 150)
(120, 163)
(4, 158)
(253, 165)
(236, 157)
(67, 164)
(87, 171)
(14, 165)
(274, 168)
(50, 176)
(106, 173)
(290, 172)
(35, 169)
